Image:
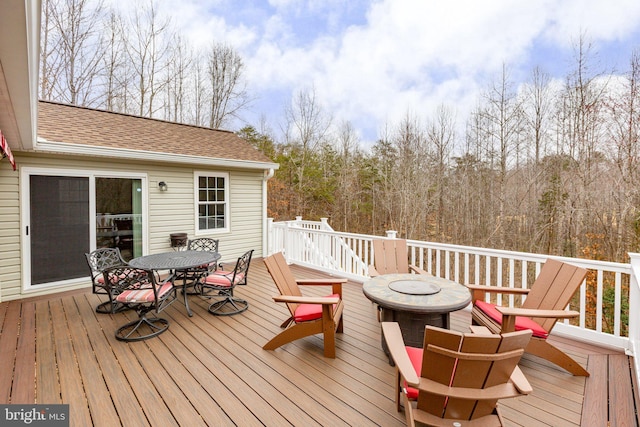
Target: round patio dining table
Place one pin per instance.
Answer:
(176, 261)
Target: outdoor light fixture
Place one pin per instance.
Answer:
(162, 186)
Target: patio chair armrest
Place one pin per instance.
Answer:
(418, 270)
(520, 381)
(306, 300)
(531, 312)
(395, 344)
(321, 282)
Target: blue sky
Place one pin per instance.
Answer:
(371, 62)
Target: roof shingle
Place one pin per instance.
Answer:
(79, 125)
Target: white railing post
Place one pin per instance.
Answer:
(634, 308)
(392, 234)
(324, 224)
(269, 237)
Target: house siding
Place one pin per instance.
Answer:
(168, 212)
(9, 230)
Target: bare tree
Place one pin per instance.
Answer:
(114, 79)
(179, 67)
(147, 46)
(504, 123)
(71, 50)
(228, 91)
(538, 108)
(441, 134)
(348, 192)
(306, 129)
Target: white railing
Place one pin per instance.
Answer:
(604, 300)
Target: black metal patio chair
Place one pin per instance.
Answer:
(99, 260)
(142, 291)
(219, 284)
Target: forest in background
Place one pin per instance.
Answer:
(547, 167)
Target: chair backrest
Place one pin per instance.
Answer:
(283, 278)
(203, 244)
(103, 258)
(242, 267)
(390, 256)
(553, 289)
(470, 361)
(124, 278)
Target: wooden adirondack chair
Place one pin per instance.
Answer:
(545, 303)
(309, 316)
(457, 377)
(390, 256)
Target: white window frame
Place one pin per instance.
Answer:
(25, 213)
(196, 197)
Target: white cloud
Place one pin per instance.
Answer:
(401, 55)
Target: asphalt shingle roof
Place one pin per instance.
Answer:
(79, 125)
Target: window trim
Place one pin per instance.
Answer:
(196, 202)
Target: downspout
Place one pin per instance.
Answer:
(268, 174)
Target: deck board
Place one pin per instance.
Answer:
(210, 370)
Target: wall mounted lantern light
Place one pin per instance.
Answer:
(162, 186)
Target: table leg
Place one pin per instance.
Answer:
(186, 294)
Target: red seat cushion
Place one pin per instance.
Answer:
(143, 295)
(415, 355)
(223, 278)
(307, 312)
(522, 323)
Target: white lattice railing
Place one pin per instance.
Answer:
(604, 301)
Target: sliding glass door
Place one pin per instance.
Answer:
(71, 213)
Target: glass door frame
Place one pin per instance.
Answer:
(25, 213)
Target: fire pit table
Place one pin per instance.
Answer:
(414, 301)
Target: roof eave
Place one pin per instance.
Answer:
(129, 154)
(19, 56)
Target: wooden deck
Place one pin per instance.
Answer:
(209, 370)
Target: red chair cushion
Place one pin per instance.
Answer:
(522, 323)
(222, 278)
(307, 312)
(143, 295)
(415, 355)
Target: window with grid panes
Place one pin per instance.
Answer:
(212, 201)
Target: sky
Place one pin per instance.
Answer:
(372, 62)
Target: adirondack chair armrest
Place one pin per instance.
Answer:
(372, 271)
(478, 291)
(395, 344)
(498, 290)
(306, 300)
(500, 391)
(334, 282)
(418, 270)
(520, 381)
(531, 312)
(320, 282)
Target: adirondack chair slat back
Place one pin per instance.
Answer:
(283, 278)
(390, 256)
(553, 289)
(492, 369)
